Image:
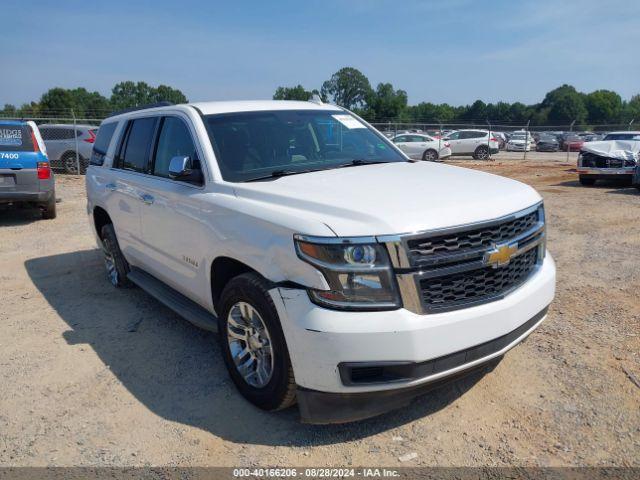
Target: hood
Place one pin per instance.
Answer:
(621, 149)
(392, 198)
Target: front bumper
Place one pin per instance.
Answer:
(325, 407)
(321, 340)
(605, 171)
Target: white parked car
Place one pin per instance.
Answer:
(422, 147)
(519, 142)
(477, 143)
(336, 271)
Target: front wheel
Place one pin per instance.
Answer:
(253, 345)
(430, 155)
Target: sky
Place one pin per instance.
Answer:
(453, 51)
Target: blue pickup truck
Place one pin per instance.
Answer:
(25, 173)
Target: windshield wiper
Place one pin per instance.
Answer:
(282, 173)
(360, 161)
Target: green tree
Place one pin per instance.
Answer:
(476, 112)
(348, 87)
(129, 94)
(165, 93)
(631, 110)
(604, 106)
(57, 102)
(292, 93)
(565, 105)
(385, 103)
(9, 110)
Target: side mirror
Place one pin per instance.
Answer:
(179, 167)
(182, 168)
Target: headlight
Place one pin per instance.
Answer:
(359, 274)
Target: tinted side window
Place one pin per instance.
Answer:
(136, 150)
(174, 141)
(47, 133)
(454, 136)
(401, 139)
(101, 144)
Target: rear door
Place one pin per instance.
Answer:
(19, 158)
(124, 191)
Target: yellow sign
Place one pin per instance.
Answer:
(501, 255)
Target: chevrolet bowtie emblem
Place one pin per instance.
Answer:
(500, 255)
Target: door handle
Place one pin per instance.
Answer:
(146, 198)
(110, 186)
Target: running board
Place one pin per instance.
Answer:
(173, 299)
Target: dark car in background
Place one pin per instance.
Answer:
(63, 140)
(25, 173)
(547, 143)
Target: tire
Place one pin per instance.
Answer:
(481, 153)
(115, 263)
(586, 180)
(430, 155)
(70, 164)
(273, 386)
(49, 208)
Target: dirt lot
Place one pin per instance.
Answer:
(94, 376)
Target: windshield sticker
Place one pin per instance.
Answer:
(348, 121)
(10, 136)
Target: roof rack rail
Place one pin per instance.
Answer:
(141, 107)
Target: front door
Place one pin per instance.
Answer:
(173, 227)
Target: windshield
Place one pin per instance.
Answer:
(623, 136)
(255, 145)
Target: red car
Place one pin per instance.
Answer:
(574, 144)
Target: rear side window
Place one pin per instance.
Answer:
(16, 138)
(174, 141)
(135, 151)
(101, 144)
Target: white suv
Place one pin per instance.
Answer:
(480, 144)
(336, 270)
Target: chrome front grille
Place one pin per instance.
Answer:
(463, 266)
(473, 286)
(447, 247)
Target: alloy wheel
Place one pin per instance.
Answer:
(250, 344)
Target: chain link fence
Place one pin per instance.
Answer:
(568, 136)
(69, 139)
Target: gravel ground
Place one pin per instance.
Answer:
(93, 376)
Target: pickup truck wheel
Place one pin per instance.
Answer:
(253, 345)
(49, 208)
(586, 180)
(115, 263)
(430, 155)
